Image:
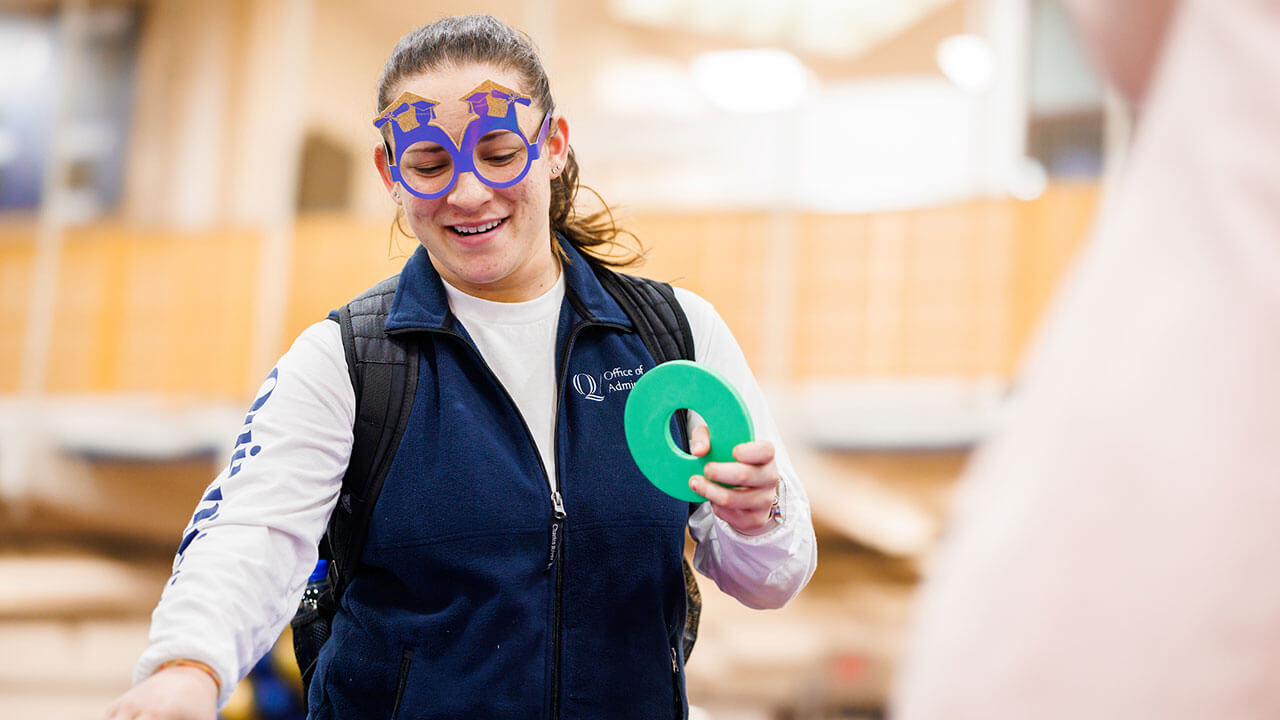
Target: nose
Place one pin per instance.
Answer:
(468, 192)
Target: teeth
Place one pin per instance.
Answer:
(462, 230)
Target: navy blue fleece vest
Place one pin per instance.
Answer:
(473, 601)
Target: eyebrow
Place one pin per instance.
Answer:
(426, 150)
(494, 135)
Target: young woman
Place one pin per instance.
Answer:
(454, 612)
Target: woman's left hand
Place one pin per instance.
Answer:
(747, 506)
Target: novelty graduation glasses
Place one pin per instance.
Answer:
(426, 160)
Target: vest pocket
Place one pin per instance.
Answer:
(402, 681)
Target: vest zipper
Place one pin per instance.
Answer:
(557, 503)
(557, 549)
(557, 527)
(556, 612)
(558, 513)
(555, 553)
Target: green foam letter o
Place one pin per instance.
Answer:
(660, 392)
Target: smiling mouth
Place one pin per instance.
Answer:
(476, 229)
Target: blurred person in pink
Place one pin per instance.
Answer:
(1114, 545)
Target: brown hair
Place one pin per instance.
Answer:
(482, 39)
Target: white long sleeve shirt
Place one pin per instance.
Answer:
(252, 542)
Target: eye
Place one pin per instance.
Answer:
(426, 159)
(428, 169)
(501, 158)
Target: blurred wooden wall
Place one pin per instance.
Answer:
(950, 291)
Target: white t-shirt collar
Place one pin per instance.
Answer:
(470, 307)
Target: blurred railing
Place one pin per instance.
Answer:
(950, 291)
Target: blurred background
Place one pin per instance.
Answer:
(880, 197)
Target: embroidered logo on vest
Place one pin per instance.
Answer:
(586, 386)
(615, 380)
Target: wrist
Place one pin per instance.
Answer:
(755, 532)
(193, 668)
(769, 526)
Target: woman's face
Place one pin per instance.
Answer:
(513, 260)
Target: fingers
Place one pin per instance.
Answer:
(754, 467)
(743, 498)
(741, 475)
(741, 493)
(745, 510)
(756, 452)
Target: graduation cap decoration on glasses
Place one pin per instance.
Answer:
(427, 161)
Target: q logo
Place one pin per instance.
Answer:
(586, 387)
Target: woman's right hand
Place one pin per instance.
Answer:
(174, 693)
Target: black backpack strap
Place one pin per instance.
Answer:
(655, 312)
(384, 375)
(658, 319)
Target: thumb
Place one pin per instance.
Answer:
(699, 440)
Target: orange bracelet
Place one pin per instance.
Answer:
(195, 664)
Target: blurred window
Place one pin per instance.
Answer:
(97, 116)
(1066, 98)
(324, 183)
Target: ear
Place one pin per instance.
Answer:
(380, 162)
(557, 147)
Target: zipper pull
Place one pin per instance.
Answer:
(675, 663)
(557, 528)
(558, 504)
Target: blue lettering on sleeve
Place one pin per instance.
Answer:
(237, 460)
(242, 449)
(264, 393)
(187, 541)
(204, 514)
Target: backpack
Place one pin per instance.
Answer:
(384, 375)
